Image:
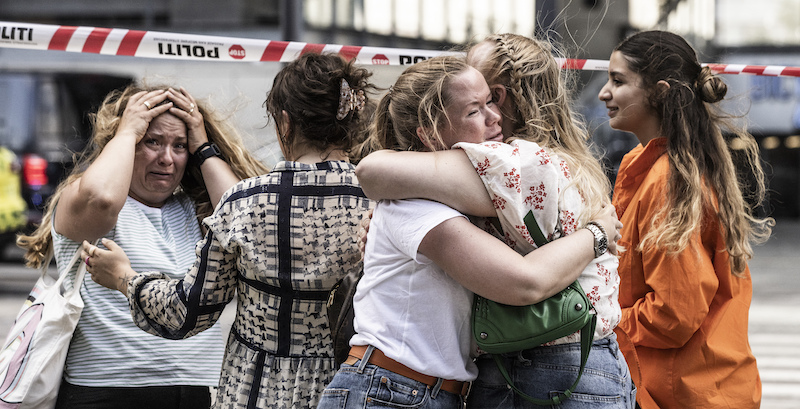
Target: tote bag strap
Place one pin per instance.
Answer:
(79, 275)
(533, 228)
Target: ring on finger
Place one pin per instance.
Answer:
(192, 109)
(147, 104)
(87, 261)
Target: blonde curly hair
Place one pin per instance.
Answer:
(105, 122)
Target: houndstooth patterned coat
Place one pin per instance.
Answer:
(278, 242)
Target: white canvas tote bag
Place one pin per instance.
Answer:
(34, 352)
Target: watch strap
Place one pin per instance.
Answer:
(204, 152)
(600, 238)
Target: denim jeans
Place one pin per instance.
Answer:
(542, 372)
(364, 385)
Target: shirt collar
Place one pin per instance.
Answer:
(640, 160)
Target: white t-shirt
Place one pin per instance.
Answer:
(405, 305)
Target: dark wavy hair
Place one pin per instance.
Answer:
(700, 160)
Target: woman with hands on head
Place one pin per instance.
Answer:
(424, 260)
(686, 286)
(278, 242)
(546, 168)
(136, 184)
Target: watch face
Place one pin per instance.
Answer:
(603, 244)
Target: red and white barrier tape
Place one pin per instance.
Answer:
(155, 44)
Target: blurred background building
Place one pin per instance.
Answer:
(766, 32)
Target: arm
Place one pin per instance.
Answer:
(217, 174)
(489, 268)
(405, 175)
(89, 206)
(170, 308)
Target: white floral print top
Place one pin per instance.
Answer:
(524, 180)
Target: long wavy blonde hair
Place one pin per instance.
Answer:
(700, 160)
(538, 88)
(39, 244)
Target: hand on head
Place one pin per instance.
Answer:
(185, 108)
(142, 107)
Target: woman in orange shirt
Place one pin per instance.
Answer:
(685, 286)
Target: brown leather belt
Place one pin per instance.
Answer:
(379, 359)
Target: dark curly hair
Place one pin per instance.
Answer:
(308, 89)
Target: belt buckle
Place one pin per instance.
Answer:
(465, 389)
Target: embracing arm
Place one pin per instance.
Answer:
(170, 308)
(446, 176)
(488, 267)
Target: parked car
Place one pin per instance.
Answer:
(43, 122)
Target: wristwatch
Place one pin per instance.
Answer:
(204, 152)
(600, 238)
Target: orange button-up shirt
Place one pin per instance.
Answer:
(684, 316)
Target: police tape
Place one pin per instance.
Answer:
(194, 47)
(154, 44)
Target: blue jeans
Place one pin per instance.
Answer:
(542, 372)
(364, 385)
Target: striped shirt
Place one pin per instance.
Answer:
(108, 349)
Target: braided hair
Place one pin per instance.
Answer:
(541, 108)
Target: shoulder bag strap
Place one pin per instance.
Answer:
(587, 333)
(587, 337)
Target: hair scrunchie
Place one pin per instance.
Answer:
(349, 100)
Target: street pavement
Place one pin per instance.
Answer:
(774, 322)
